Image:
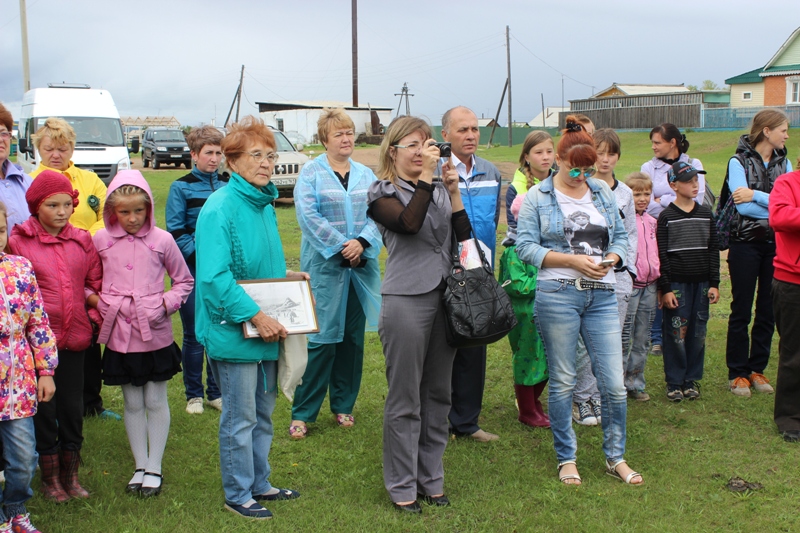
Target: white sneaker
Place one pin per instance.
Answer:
(215, 404)
(582, 414)
(195, 406)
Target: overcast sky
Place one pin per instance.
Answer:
(182, 58)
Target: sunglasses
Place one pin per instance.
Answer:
(576, 172)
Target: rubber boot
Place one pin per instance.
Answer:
(70, 460)
(526, 403)
(51, 483)
(542, 420)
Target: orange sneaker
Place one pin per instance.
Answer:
(740, 387)
(761, 383)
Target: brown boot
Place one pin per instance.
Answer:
(51, 484)
(526, 401)
(542, 420)
(70, 460)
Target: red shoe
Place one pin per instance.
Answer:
(22, 524)
(51, 482)
(70, 460)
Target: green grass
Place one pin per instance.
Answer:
(686, 451)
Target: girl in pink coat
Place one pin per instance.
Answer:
(141, 354)
(69, 274)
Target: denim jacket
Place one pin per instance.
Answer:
(540, 225)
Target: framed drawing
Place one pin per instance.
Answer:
(286, 300)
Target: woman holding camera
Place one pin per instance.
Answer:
(416, 218)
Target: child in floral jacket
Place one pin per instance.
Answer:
(27, 351)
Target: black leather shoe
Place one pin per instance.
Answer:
(412, 507)
(135, 487)
(791, 436)
(152, 491)
(438, 501)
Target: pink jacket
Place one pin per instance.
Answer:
(133, 298)
(27, 345)
(68, 270)
(648, 265)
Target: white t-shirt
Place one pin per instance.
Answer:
(587, 233)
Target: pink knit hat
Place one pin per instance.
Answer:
(47, 184)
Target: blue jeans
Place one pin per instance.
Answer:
(684, 332)
(19, 451)
(636, 335)
(245, 427)
(655, 331)
(562, 313)
(193, 355)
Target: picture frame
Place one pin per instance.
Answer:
(287, 300)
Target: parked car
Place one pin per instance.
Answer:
(165, 146)
(287, 169)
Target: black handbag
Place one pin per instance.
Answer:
(478, 311)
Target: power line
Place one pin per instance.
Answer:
(548, 64)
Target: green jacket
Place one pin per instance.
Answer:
(236, 239)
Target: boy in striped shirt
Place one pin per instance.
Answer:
(688, 248)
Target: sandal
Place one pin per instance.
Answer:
(298, 431)
(345, 421)
(611, 470)
(566, 477)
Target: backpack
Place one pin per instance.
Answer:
(725, 214)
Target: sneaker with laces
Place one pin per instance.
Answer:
(582, 414)
(5, 527)
(691, 390)
(674, 393)
(761, 383)
(656, 351)
(638, 395)
(596, 410)
(215, 404)
(740, 387)
(194, 406)
(22, 524)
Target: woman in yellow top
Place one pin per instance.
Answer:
(55, 142)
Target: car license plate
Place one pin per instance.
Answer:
(283, 181)
(176, 156)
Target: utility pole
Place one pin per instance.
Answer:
(26, 68)
(239, 94)
(403, 94)
(354, 24)
(544, 118)
(508, 64)
(497, 115)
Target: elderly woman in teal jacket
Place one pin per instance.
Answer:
(339, 250)
(237, 239)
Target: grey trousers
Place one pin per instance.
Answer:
(586, 384)
(419, 365)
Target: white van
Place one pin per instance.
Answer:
(100, 145)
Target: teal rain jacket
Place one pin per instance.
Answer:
(329, 216)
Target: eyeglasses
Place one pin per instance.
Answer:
(259, 157)
(414, 148)
(576, 172)
(5, 135)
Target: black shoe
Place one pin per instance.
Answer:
(438, 501)
(152, 491)
(282, 494)
(691, 390)
(412, 507)
(135, 487)
(791, 436)
(674, 393)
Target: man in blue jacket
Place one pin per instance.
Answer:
(479, 181)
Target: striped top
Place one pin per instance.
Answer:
(688, 247)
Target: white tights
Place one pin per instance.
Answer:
(147, 418)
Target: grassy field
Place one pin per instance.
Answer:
(687, 451)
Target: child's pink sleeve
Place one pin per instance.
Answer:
(40, 336)
(182, 280)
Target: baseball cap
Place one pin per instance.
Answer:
(681, 171)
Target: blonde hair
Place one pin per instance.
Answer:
(532, 139)
(59, 131)
(333, 118)
(127, 191)
(4, 211)
(639, 181)
(399, 128)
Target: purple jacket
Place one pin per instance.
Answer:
(12, 193)
(132, 302)
(648, 266)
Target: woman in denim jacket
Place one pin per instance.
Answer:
(575, 295)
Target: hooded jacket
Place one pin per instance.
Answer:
(27, 344)
(751, 223)
(68, 270)
(784, 217)
(134, 306)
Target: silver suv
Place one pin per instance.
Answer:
(287, 169)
